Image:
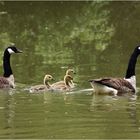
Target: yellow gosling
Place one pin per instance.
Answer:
(44, 87)
(63, 86)
(71, 83)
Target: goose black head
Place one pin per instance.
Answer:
(13, 49)
(138, 49)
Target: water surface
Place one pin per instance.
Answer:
(94, 38)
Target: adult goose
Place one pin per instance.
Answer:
(7, 80)
(119, 85)
(43, 87)
(63, 86)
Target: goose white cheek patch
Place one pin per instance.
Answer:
(139, 48)
(10, 51)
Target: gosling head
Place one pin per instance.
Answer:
(70, 72)
(47, 78)
(68, 78)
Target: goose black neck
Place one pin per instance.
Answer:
(131, 65)
(6, 64)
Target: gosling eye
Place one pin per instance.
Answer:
(73, 72)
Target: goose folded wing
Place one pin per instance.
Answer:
(119, 84)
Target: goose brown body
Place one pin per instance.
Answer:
(119, 84)
(4, 83)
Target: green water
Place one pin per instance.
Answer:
(94, 38)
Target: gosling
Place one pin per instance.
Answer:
(69, 72)
(44, 87)
(63, 86)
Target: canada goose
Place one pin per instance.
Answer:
(71, 84)
(63, 86)
(46, 86)
(7, 80)
(119, 85)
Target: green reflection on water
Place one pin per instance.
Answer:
(52, 38)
